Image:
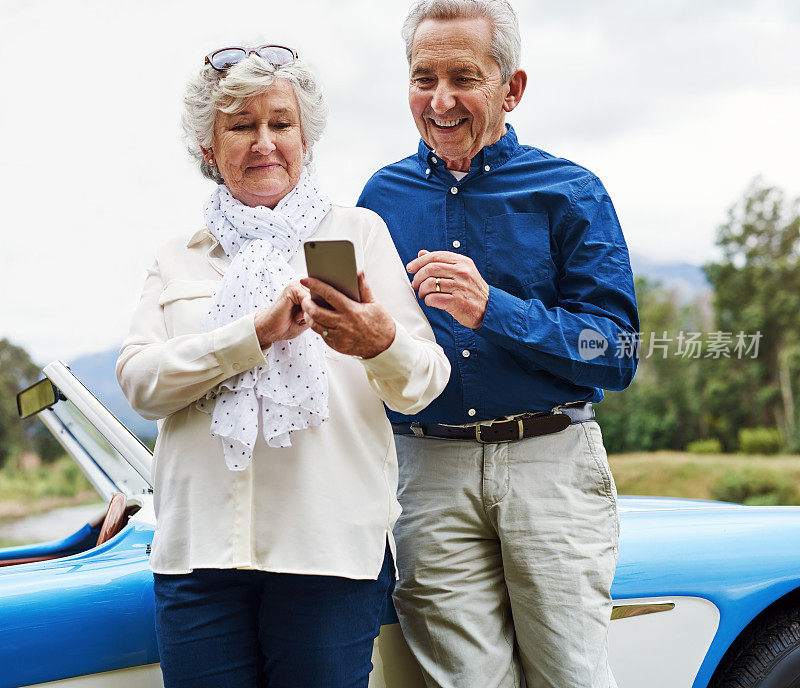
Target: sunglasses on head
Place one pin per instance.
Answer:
(224, 58)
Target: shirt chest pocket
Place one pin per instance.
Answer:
(185, 303)
(518, 249)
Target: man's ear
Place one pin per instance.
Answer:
(516, 87)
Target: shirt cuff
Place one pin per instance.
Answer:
(399, 360)
(236, 346)
(505, 314)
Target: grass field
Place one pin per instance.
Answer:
(27, 492)
(731, 477)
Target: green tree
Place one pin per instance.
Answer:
(661, 409)
(757, 290)
(16, 372)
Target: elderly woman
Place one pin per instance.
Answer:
(275, 470)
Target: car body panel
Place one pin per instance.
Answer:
(83, 614)
(739, 558)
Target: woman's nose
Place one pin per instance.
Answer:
(263, 140)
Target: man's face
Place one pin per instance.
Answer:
(456, 92)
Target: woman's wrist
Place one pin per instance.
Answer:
(383, 341)
(264, 331)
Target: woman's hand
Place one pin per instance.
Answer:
(357, 329)
(284, 319)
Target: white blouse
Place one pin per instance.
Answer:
(327, 504)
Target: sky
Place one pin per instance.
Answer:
(676, 105)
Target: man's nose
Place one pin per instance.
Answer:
(443, 99)
(263, 140)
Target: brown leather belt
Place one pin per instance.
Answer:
(527, 425)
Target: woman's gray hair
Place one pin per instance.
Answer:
(506, 43)
(211, 91)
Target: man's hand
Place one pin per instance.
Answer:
(357, 329)
(283, 319)
(463, 293)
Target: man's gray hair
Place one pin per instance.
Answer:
(506, 43)
(211, 91)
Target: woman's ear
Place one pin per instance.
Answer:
(208, 154)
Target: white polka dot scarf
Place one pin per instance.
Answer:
(290, 393)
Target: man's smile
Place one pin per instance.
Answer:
(446, 123)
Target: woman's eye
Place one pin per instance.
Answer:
(239, 127)
(282, 125)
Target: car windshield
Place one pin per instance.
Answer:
(110, 462)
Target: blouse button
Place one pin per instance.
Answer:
(471, 412)
(465, 353)
(453, 190)
(486, 168)
(428, 170)
(434, 159)
(456, 244)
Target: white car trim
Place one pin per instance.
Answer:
(665, 649)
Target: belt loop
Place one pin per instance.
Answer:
(416, 428)
(520, 427)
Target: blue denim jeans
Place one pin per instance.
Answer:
(220, 628)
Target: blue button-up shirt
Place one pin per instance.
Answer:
(561, 320)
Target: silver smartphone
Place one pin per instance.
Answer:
(333, 261)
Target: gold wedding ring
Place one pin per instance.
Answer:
(438, 286)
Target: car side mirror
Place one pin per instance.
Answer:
(37, 397)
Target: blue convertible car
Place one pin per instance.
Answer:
(707, 595)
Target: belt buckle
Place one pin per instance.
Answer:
(480, 440)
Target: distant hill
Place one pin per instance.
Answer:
(686, 279)
(96, 370)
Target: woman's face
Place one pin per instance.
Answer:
(259, 150)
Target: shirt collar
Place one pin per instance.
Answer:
(492, 156)
(214, 255)
(198, 237)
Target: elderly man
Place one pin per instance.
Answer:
(508, 540)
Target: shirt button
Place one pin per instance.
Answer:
(465, 353)
(456, 244)
(434, 159)
(428, 170)
(471, 412)
(453, 190)
(486, 168)
(236, 366)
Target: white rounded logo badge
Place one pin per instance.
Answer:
(591, 344)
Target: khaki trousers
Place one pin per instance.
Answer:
(506, 554)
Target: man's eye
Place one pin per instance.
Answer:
(424, 80)
(465, 80)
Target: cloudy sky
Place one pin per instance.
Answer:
(676, 105)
